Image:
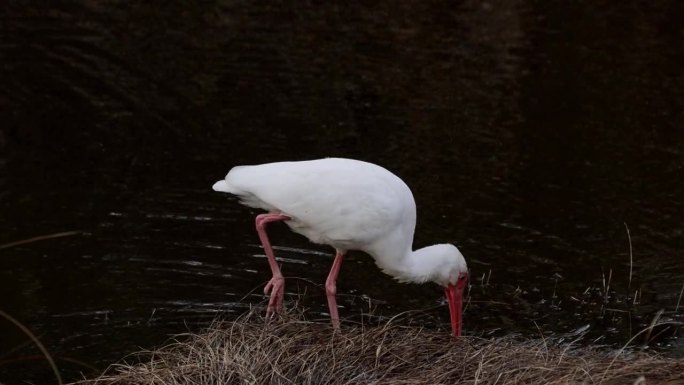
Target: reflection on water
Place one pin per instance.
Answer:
(532, 134)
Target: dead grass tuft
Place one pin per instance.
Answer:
(291, 350)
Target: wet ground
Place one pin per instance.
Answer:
(544, 139)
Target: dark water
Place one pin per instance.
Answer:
(533, 134)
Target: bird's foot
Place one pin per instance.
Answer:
(275, 289)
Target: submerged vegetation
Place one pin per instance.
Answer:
(292, 350)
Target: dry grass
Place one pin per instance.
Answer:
(293, 351)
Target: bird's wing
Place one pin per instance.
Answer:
(330, 202)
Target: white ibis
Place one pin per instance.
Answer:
(349, 205)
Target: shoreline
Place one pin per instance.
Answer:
(290, 350)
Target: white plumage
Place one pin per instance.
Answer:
(349, 205)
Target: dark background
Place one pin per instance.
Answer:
(531, 133)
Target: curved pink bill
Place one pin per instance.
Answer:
(454, 295)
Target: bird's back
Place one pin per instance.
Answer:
(341, 202)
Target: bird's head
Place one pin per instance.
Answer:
(448, 265)
(449, 270)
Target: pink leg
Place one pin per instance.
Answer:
(275, 288)
(331, 289)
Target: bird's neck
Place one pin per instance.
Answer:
(406, 265)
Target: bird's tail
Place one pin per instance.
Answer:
(221, 186)
(232, 182)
